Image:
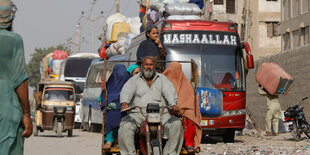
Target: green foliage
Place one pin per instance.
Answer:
(33, 67)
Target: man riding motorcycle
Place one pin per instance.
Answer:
(149, 87)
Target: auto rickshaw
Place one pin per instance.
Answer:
(56, 108)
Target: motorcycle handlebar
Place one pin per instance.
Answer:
(305, 98)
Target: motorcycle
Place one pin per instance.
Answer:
(150, 133)
(298, 123)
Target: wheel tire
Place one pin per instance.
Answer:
(89, 124)
(156, 150)
(59, 129)
(70, 132)
(296, 135)
(229, 136)
(307, 133)
(35, 129)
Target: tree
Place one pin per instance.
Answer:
(33, 67)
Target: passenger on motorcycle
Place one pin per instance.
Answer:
(149, 87)
(189, 109)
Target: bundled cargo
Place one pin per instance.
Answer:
(182, 9)
(59, 55)
(118, 28)
(274, 79)
(183, 17)
(108, 27)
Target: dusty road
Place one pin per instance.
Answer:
(89, 143)
(81, 143)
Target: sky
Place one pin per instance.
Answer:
(46, 23)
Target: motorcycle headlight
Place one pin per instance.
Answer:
(153, 118)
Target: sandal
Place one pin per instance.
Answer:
(107, 146)
(190, 149)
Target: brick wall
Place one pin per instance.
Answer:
(297, 64)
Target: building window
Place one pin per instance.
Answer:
(287, 9)
(296, 7)
(230, 6)
(286, 41)
(296, 39)
(218, 2)
(305, 6)
(307, 36)
(271, 29)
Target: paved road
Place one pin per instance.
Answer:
(84, 143)
(47, 143)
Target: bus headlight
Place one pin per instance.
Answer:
(234, 112)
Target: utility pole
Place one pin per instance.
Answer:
(117, 6)
(247, 23)
(92, 25)
(77, 36)
(92, 20)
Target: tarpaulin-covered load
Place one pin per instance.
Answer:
(273, 78)
(117, 28)
(115, 48)
(59, 54)
(110, 22)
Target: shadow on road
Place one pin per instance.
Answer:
(55, 136)
(215, 140)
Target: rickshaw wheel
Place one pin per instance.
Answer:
(70, 133)
(35, 129)
(59, 129)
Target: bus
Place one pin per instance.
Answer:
(223, 61)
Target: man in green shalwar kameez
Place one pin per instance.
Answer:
(15, 121)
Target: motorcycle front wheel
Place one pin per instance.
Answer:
(295, 132)
(307, 133)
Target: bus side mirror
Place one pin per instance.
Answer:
(249, 56)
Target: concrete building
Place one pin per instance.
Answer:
(257, 27)
(294, 27)
(293, 58)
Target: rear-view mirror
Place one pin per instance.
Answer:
(249, 56)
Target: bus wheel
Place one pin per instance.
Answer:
(229, 136)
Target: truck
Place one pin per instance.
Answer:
(223, 61)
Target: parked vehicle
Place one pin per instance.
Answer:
(298, 123)
(74, 69)
(57, 109)
(90, 112)
(222, 68)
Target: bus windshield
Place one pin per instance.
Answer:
(77, 67)
(219, 67)
(58, 94)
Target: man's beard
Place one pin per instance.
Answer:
(148, 73)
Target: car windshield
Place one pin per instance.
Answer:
(58, 94)
(218, 66)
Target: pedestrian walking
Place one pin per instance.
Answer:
(15, 121)
(273, 113)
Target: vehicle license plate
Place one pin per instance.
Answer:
(69, 108)
(204, 122)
